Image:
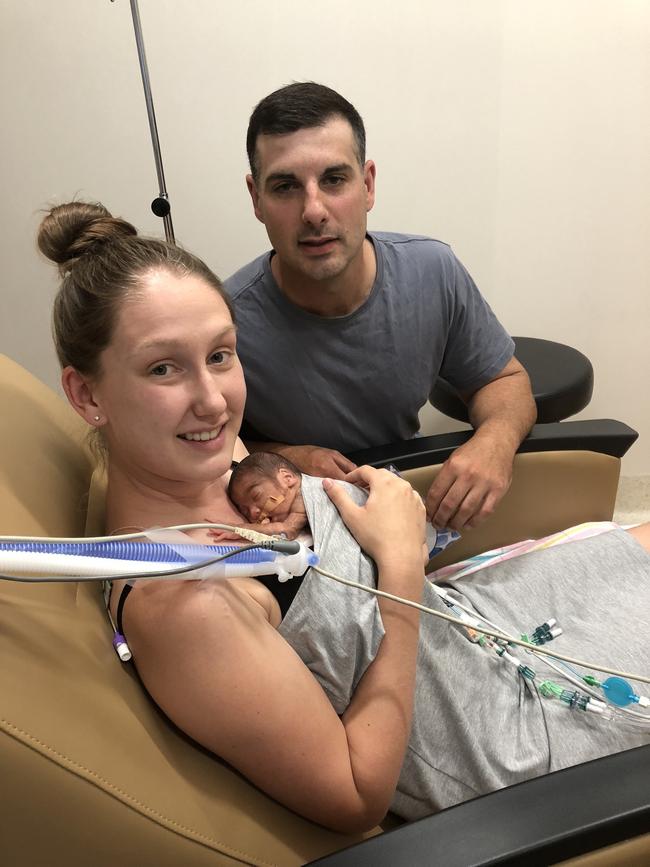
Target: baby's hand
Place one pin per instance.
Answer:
(224, 536)
(274, 528)
(269, 528)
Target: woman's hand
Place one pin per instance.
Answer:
(391, 522)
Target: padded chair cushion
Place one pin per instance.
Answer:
(91, 772)
(85, 753)
(44, 468)
(550, 491)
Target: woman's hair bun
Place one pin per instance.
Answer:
(70, 231)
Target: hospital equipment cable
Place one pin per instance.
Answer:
(577, 680)
(288, 550)
(562, 668)
(163, 573)
(47, 559)
(605, 711)
(492, 633)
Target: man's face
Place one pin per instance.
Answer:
(313, 197)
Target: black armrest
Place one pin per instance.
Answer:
(596, 435)
(539, 822)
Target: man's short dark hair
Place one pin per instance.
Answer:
(301, 105)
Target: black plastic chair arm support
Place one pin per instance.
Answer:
(606, 436)
(538, 822)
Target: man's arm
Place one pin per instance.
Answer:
(313, 460)
(473, 480)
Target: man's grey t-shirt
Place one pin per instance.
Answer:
(359, 380)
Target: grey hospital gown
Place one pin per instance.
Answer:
(477, 725)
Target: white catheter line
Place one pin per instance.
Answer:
(491, 633)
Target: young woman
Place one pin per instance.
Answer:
(315, 701)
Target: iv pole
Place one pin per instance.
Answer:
(160, 205)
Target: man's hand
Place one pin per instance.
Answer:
(470, 483)
(317, 461)
(313, 460)
(473, 480)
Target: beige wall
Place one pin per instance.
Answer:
(519, 131)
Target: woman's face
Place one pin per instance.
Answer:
(171, 388)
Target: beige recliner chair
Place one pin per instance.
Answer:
(91, 773)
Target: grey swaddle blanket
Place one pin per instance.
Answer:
(477, 725)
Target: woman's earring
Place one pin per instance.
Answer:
(97, 418)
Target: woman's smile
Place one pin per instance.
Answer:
(206, 440)
(200, 437)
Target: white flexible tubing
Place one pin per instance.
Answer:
(533, 650)
(489, 632)
(39, 563)
(567, 675)
(443, 593)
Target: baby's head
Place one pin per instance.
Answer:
(264, 486)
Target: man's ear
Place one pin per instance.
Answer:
(79, 391)
(255, 197)
(369, 178)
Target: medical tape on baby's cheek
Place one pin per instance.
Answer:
(271, 505)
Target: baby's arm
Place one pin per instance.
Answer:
(292, 525)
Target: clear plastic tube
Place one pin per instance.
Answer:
(149, 552)
(149, 559)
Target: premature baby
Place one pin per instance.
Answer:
(265, 487)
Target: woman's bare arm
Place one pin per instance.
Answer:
(220, 670)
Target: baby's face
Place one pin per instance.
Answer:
(260, 498)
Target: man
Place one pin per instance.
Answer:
(343, 334)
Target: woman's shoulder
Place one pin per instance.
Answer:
(174, 610)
